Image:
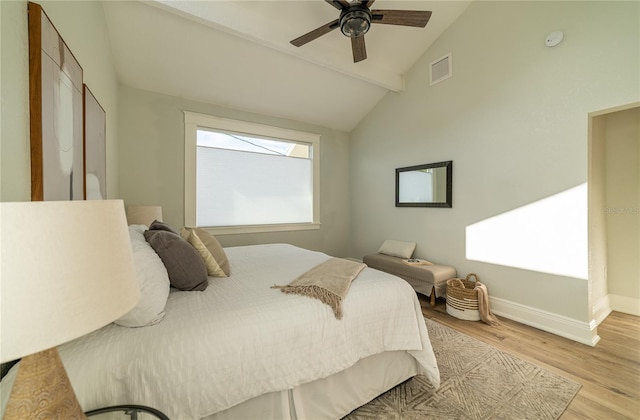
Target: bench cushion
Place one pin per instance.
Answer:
(421, 277)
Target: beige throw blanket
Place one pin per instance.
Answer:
(483, 305)
(329, 282)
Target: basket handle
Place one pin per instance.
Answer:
(474, 275)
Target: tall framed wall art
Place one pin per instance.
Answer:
(95, 151)
(55, 109)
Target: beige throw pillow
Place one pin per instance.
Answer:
(399, 249)
(193, 236)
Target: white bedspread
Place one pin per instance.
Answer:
(239, 338)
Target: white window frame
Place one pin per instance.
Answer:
(194, 120)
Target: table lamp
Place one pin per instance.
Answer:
(143, 215)
(66, 270)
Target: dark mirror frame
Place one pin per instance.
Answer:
(449, 185)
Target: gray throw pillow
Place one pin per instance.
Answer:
(158, 225)
(183, 263)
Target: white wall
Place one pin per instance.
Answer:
(513, 118)
(152, 167)
(83, 28)
(14, 91)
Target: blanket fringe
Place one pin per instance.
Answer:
(316, 292)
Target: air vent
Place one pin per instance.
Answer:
(440, 69)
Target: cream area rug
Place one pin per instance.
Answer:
(477, 382)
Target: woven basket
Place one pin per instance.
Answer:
(463, 303)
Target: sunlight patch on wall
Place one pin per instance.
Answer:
(549, 236)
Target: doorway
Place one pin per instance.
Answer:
(614, 211)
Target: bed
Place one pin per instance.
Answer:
(242, 349)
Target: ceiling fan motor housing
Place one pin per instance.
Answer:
(355, 21)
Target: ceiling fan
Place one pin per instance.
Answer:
(356, 19)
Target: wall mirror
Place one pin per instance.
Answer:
(428, 185)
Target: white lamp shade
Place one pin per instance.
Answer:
(143, 215)
(66, 270)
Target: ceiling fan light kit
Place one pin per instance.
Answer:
(355, 23)
(355, 20)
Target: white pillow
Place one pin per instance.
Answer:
(397, 248)
(153, 281)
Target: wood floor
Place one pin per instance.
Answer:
(609, 373)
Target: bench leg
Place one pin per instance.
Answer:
(432, 300)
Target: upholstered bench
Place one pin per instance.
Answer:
(428, 280)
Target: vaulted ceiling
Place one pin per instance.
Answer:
(237, 54)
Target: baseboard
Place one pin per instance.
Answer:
(625, 304)
(580, 331)
(601, 309)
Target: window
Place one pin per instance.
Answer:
(243, 177)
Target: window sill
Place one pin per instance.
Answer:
(233, 230)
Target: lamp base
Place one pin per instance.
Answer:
(42, 390)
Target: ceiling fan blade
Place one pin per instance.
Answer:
(416, 18)
(359, 49)
(338, 4)
(367, 3)
(316, 33)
